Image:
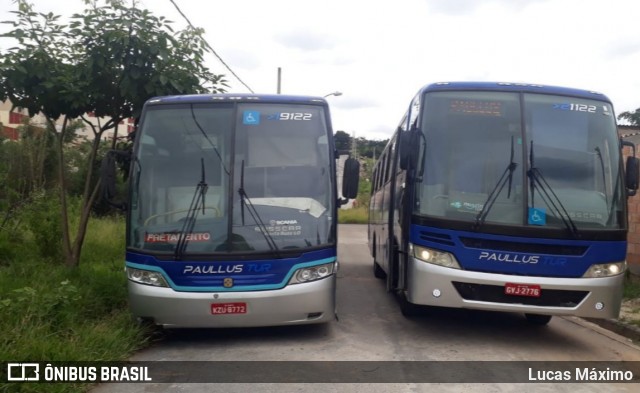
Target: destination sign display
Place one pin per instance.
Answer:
(476, 107)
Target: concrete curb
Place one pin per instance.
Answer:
(624, 329)
(621, 327)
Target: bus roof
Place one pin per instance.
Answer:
(514, 87)
(231, 97)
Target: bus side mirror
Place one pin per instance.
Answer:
(350, 178)
(108, 173)
(632, 170)
(409, 148)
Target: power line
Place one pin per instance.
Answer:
(210, 48)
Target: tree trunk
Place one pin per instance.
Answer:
(88, 197)
(70, 259)
(84, 222)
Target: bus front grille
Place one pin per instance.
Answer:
(495, 294)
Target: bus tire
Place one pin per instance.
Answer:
(378, 272)
(392, 273)
(407, 308)
(538, 319)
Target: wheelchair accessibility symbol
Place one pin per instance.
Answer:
(251, 117)
(537, 216)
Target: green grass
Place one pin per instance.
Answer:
(631, 286)
(359, 215)
(632, 291)
(49, 312)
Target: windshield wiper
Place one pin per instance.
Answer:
(254, 213)
(549, 197)
(507, 176)
(604, 176)
(190, 219)
(193, 115)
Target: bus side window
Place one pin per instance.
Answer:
(373, 180)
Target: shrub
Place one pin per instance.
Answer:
(359, 215)
(44, 222)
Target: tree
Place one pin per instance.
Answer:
(109, 60)
(632, 117)
(370, 149)
(342, 141)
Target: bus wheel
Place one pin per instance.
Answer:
(377, 271)
(538, 319)
(407, 308)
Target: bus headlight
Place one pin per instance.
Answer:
(146, 277)
(606, 270)
(435, 257)
(313, 273)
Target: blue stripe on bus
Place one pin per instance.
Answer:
(271, 286)
(530, 260)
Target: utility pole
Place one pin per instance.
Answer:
(279, 80)
(354, 147)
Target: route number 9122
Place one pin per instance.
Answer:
(295, 116)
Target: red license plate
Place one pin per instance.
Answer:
(228, 308)
(522, 290)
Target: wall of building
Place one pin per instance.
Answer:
(632, 134)
(11, 120)
(633, 250)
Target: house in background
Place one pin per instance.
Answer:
(12, 119)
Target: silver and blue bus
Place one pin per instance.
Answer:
(232, 211)
(504, 197)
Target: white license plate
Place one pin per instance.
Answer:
(228, 308)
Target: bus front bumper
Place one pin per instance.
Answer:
(305, 303)
(435, 285)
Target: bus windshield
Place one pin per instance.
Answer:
(549, 161)
(224, 178)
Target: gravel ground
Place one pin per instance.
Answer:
(630, 312)
(628, 323)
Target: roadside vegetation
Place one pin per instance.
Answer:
(97, 69)
(632, 287)
(630, 312)
(51, 312)
(359, 213)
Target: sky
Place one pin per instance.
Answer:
(378, 54)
